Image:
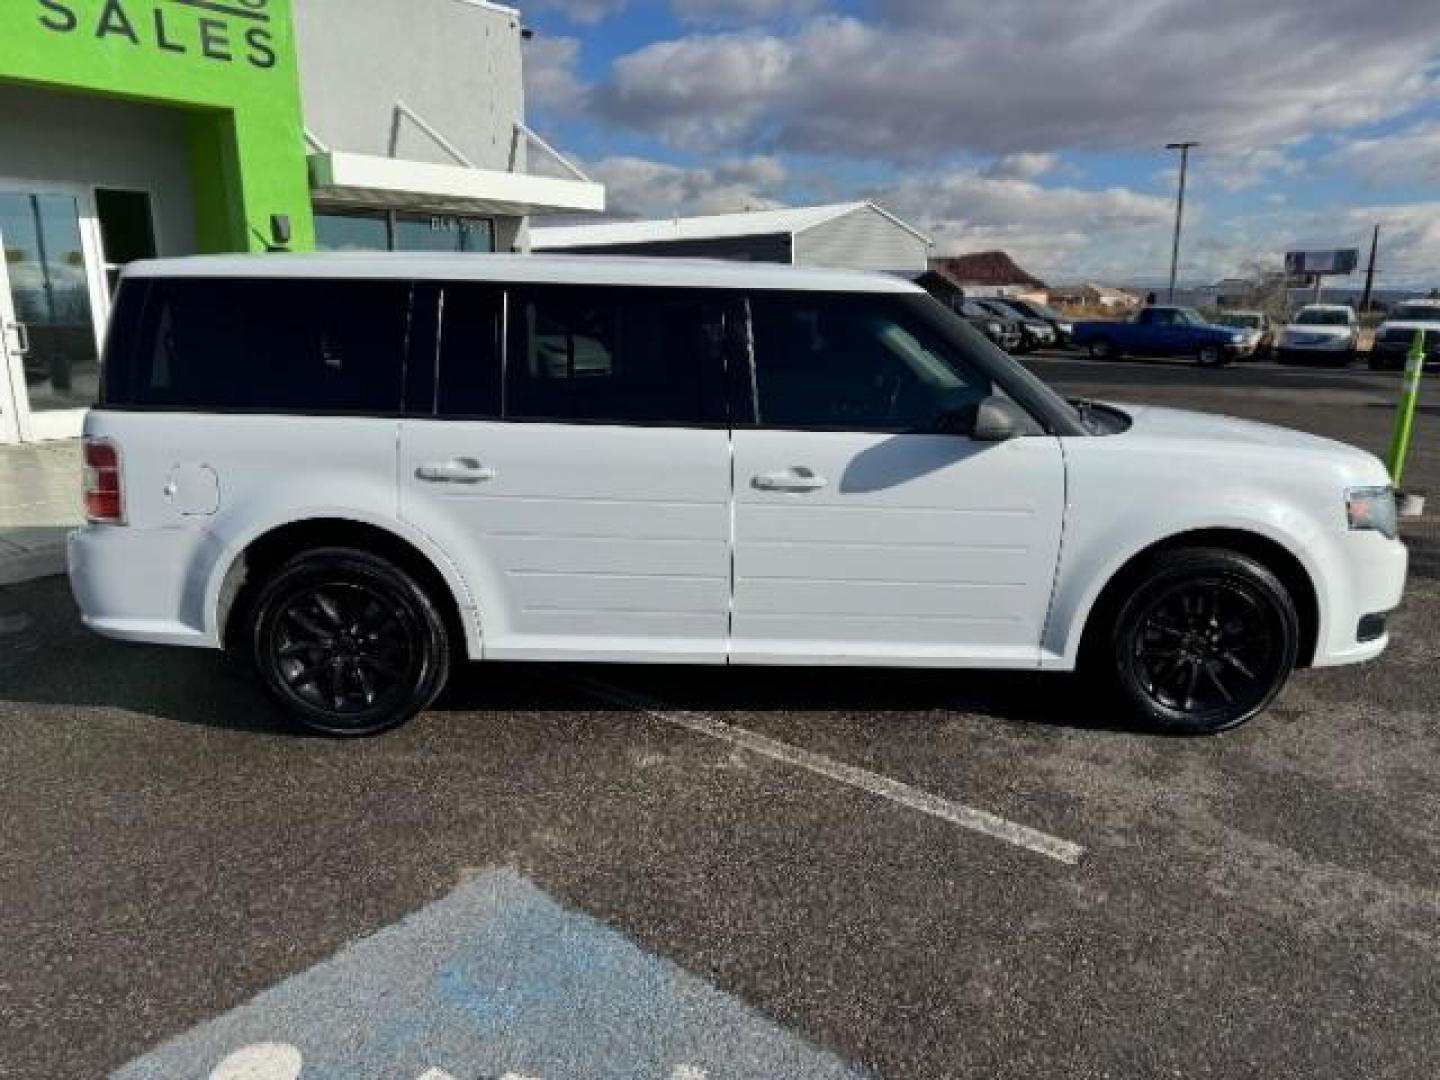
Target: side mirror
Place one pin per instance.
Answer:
(998, 419)
(995, 419)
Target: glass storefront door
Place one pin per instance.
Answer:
(48, 306)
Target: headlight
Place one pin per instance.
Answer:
(1238, 339)
(995, 328)
(1373, 510)
(1067, 328)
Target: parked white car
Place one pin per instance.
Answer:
(1396, 335)
(1321, 334)
(361, 470)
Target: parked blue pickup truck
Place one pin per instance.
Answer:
(1163, 331)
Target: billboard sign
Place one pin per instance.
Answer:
(1312, 263)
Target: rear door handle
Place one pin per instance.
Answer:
(457, 471)
(797, 479)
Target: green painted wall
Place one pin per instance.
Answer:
(230, 64)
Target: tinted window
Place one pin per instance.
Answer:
(856, 362)
(266, 346)
(468, 382)
(615, 355)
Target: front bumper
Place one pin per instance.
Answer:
(1397, 354)
(1371, 583)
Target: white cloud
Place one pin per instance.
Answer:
(698, 91)
(1062, 231)
(1408, 157)
(586, 12)
(638, 187)
(551, 79)
(738, 12)
(1022, 166)
(921, 78)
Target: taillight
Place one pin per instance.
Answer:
(104, 501)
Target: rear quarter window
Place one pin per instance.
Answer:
(273, 345)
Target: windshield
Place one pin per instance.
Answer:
(1323, 317)
(1416, 313)
(1246, 322)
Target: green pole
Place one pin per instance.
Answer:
(1405, 416)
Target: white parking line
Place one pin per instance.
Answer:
(883, 787)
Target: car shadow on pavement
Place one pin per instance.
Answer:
(48, 659)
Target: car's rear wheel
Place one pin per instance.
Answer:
(1203, 641)
(1102, 349)
(348, 643)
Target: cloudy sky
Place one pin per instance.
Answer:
(1029, 125)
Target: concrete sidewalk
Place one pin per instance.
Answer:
(39, 505)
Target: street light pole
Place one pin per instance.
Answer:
(1184, 148)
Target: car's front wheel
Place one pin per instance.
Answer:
(1211, 356)
(1102, 349)
(348, 643)
(1203, 641)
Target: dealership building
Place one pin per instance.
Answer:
(136, 128)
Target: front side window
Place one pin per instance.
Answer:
(268, 345)
(609, 355)
(840, 362)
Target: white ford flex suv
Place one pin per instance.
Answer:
(362, 470)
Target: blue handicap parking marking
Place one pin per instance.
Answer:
(497, 980)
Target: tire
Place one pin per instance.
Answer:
(1203, 639)
(1103, 348)
(347, 643)
(1211, 356)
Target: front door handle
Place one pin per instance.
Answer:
(21, 347)
(456, 471)
(797, 479)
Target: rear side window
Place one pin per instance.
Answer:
(468, 376)
(272, 345)
(606, 355)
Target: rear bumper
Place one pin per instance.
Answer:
(141, 584)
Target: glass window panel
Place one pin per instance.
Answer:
(51, 291)
(427, 232)
(855, 362)
(352, 232)
(618, 356)
(272, 346)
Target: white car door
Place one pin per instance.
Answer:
(862, 535)
(584, 493)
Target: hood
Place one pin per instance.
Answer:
(1184, 424)
(1318, 331)
(1432, 325)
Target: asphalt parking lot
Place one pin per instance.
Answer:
(683, 873)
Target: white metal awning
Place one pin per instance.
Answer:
(389, 183)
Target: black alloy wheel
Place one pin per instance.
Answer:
(1102, 349)
(348, 643)
(1211, 356)
(1205, 642)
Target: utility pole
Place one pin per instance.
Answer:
(1184, 148)
(1370, 274)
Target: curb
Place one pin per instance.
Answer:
(26, 566)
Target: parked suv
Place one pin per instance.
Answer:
(1062, 325)
(1396, 335)
(361, 470)
(1004, 332)
(1034, 333)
